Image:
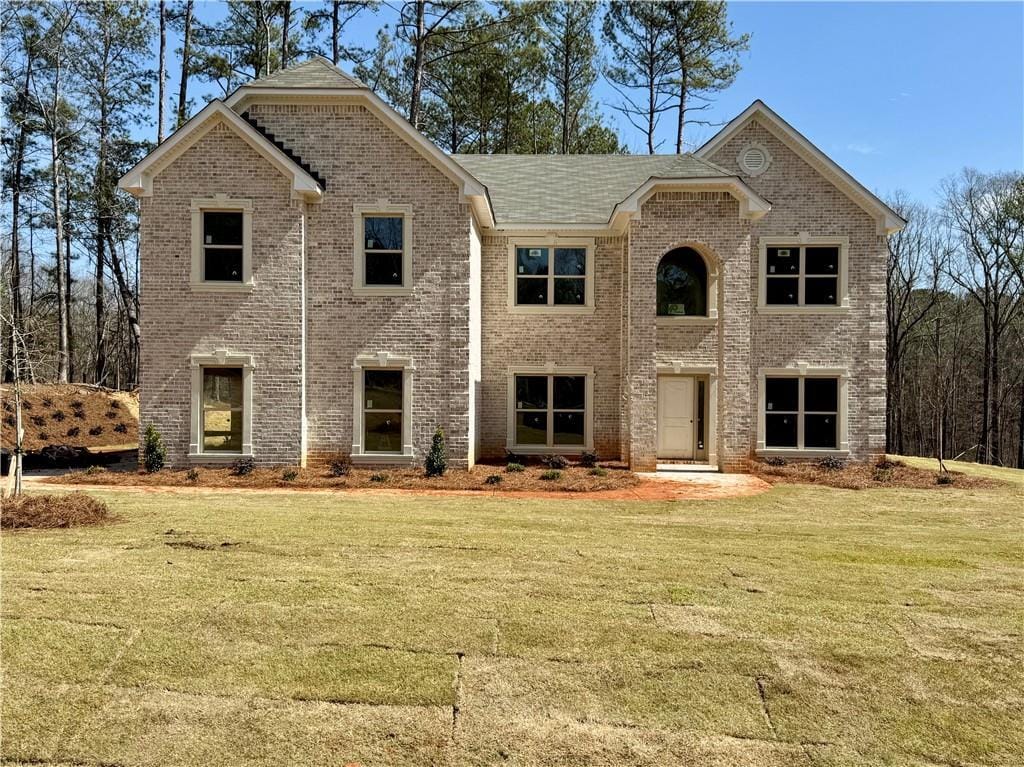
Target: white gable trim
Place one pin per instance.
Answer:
(139, 180)
(752, 205)
(888, 220)
(468, 185)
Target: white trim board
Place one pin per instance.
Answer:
(888, 220)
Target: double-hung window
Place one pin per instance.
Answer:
(221, 243)
(550, 411)
(383, 251)
(803, 275)
(801, 413)
(222, 411)
(551, 276)
(383, 410)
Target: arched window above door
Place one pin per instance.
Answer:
(683, 284)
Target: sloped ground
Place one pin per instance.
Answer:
(804, 626)
(73, 415)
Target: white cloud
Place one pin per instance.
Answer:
(861, 148)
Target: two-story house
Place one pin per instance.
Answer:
(317, 277)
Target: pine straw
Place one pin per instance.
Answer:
(74, 410)
(573, 479)
(864, 476)
(49, 511)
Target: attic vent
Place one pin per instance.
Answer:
(754, 160)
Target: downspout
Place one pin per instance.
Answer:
(302, 340)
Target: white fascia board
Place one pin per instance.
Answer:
(468, 184)
(889, 221)
(752, 205)
(139, 180)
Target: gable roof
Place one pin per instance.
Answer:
(888, 220)
(139, 180)
(317, 72)
(575, 189)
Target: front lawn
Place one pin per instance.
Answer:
(804, 626)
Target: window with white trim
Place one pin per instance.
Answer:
(801, 412)
(383, 250)
(551, 275)
(383, 410)
(550, 410)
(221, 243)
(222, 409)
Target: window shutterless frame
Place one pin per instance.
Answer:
(803, 374)
(201, 409)
(555, 280)
(552, 413)
(199, 207)
(361, 252)
(774, 284)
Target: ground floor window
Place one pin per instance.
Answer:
(222, 409)
(801, 412)
(550, 410)
(383, 397)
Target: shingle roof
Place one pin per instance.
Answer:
(572, 189)
(318, 72)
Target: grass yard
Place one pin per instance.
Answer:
(804, 626)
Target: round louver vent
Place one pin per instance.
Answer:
(754, 160)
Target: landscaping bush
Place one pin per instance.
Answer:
(831, 463)
(8, 407)
(556, 461)
(290, 475)
(436, 463)
(243, 467)
(50, 511)
(551, 475)
(47, 402)
(944, 478)
(597, 471)
(378, 477)
(493, 479)
(881, 474)
(340, 466)
(38, 420)
(74, 431)
(94, 470)
(775, 460)
(10, 420)
(511, 457)
(192, 475)
(78, 413)
(26, 405)
(588, 459)
(44, 436)
(95, 431)
(154, 454)
(121, 428)
(515, 468)
(58, 415)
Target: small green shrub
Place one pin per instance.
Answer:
(831, 463)
(556, 461)
(95, 470)
(290, 474)
(378, 477)
(192, 475)
(493, 479)
(436, 462)
(551, 475)
(515, 468)
(243, 467)
(944, 478)
(598, 471)
(588, 459)
(154, 454)
(340, 466)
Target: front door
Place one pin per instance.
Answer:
(675, 417)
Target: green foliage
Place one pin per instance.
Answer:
(944, 478)
(290, 474)
(514, 468)
(588, 459)
(551, 475)
(243, 467)
(436, 462)
(154, 454)
(192, 475)
(598, 471)
(381, 477)
(493, 479)
(831, 463)
(340, 466)
(556, 461)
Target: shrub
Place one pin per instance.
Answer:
(111, 414)
(49, 511)
(551, 475)
(47, 402)
(26, 405)
(192, 475)
(95, 470)
(95, 431)
(74, 431)
(831, 463)
(340, 466)
(881, 474)
(775, 460)
(290, 474)
(58, 415)
(78, 413)
(154, 454)
(8, 407)
(121, 428)
(38, 420)
(515, 468)
(944, 478)
(243, 467)
(436, 463)
(597, 471)
(10, 420)
(493, 479)
(378, 477)
(555, 461)
(44, 436)
(588, 459)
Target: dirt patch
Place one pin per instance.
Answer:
(73, 415)
(53, 511)
(863, 476)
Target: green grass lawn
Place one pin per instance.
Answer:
(805, 626)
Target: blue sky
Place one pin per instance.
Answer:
(900, 94)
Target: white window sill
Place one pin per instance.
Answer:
(551, 310)
(674, 322)
(792, 309)
(217, 457)
(222, 287)
(549, 450)
(364, 290)
(390, 459)
(792, 452)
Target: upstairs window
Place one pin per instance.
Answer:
(383, 250)
(803, 275)
(801, 413)
(682, 284)
(221, 244)
(551, 276)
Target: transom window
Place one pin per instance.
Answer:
(682, 284)
(383, 250)
(802, 275)
(383, 398)
(801, 413)
(550, 276)
(550, 410)
(222, 410)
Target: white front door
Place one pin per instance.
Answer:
(675, 416)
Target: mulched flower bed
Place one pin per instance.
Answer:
(863, 476)
(571, 479)
(50, 511)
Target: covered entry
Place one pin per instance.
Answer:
(682, 417)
